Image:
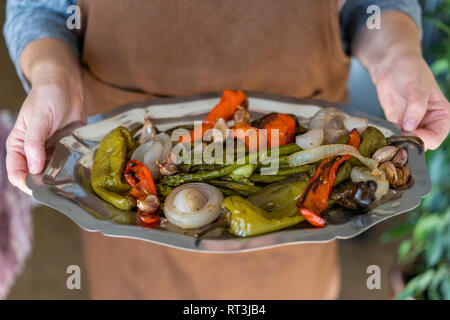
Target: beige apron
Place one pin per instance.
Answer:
(137, 49)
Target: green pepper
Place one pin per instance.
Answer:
(106, 174)
(371, 140)
(247, 219)
(344, 172)
(280, 198)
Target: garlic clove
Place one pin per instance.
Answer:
(400, 158)
(385, 154)
(150, 204)
(148, 132)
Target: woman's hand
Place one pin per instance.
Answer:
(411, 98)
(406, 88)
(55, 100)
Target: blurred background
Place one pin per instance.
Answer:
(399, 246)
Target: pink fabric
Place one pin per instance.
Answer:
(15, 219)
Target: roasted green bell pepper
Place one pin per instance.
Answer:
(371, 140)
(106, 174)
(280, 198)
(247, 219)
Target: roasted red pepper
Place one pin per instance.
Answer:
(140, 179)
(284, 123)
(314, 219)
(249, 135)
(147, 218)
(225, 109)
(314, 199)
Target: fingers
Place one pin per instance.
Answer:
(416, 107)
(435, 126)
(16, 164)
(35, 136)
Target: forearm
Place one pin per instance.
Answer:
(378, 48)
(50, 60)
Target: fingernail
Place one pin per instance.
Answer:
(33, 167)
(409, 124)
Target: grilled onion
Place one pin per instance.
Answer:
(152, 151)
(311, 139)
(316, 154)
(193, 205)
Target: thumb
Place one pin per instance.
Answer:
(416, 107)
(35, 136)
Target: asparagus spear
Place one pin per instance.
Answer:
(280, 174)
(177, 179)
(237, 187)
(294, 170)
(265, 178)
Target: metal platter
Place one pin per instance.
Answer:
(64, 183)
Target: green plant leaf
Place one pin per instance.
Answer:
(435, 249)
(403, 250)
(440, 276)
(417, 285)
(425, 225)
(397, 232)
(439, 24)
(440, 66)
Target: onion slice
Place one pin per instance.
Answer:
(311, 139)
(322, 152)
(193, 205)
(153, 151)
(359, 124)
(331, 120)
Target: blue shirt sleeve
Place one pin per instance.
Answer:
(353, 15)
(29, 20)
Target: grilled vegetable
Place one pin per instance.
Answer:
(143, 189)
(106, 174)
(284, 123)
(193, 205)
(371, 140)
(280, 198)
(315, 196)
(225, 109)
(363, 174)
(355, 195)
(247, 219)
